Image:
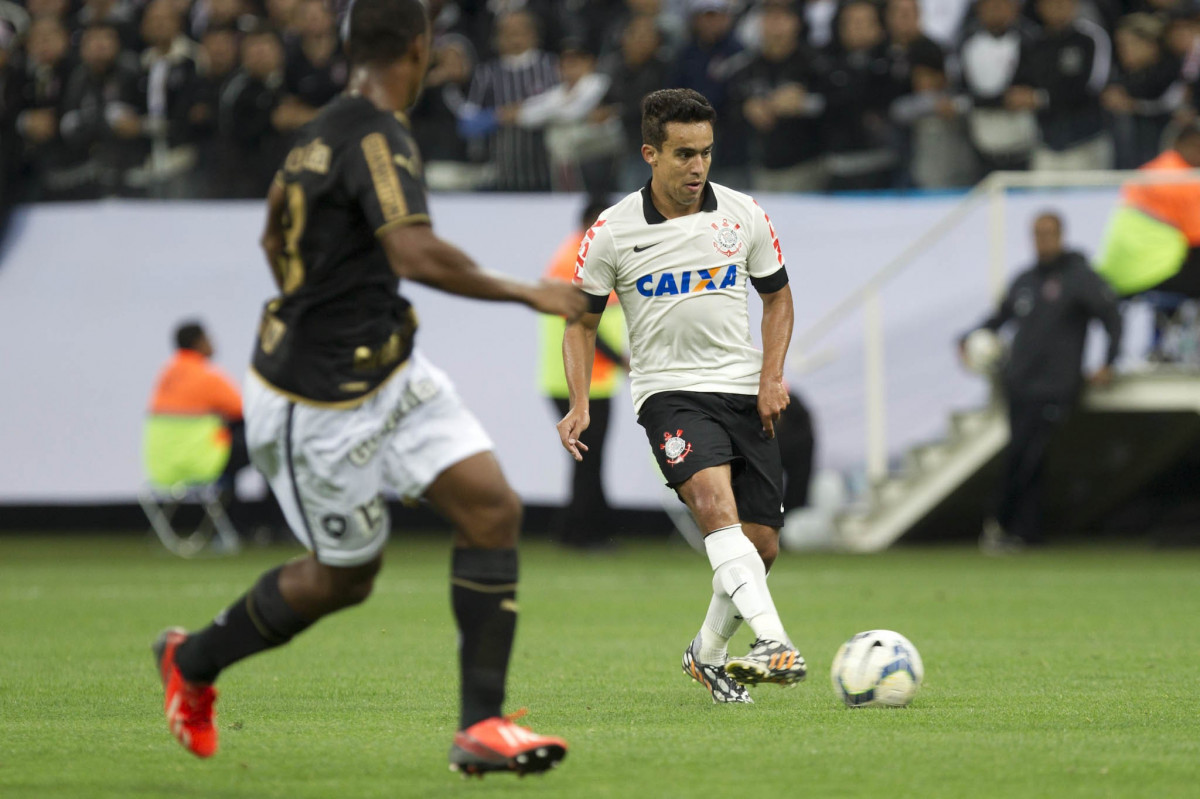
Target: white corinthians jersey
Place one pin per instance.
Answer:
(682, 285)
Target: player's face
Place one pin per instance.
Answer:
(680, 168)
(1047, 238)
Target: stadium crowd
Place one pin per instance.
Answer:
(200, 98)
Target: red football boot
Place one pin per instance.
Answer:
(496, 744)
(189, 705)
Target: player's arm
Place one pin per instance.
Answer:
(777, 320)
(385, 178)
(579, 352)
(416, 253)
(770, 278)
(272, 240)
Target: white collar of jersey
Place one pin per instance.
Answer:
(708, 202)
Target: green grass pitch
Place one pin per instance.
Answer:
(1065, 673)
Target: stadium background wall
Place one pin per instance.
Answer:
(89, 294)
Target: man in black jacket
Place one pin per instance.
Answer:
(1060, 76)
(1050, 305)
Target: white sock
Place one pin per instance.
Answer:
(739, 573)
(720, 624)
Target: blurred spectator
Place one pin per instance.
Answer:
(15, 22)
(671, 28)
(316, 71)
(1003, 137)
(165, 93)
(857, 86)
(1145, 93)
(582, 139)
(281, 16)
(635, 71)
(1051, 305)
(120, 14)
(943, 20)
(1060, 76)
(57, 9)
(46, 69)
(774, 93)
(435, 116)
(93, 157)
(818, 21)
(521, 71)
(934, 153)
(252, 139)
(706, 64)
(219, 55)
(485, 18)
(1182, 39)
(209, 14)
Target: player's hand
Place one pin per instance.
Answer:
(558, 298)
(772, 399)
(569, 430)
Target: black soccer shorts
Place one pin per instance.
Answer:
(693, 430)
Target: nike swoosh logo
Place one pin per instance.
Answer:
(648, 246)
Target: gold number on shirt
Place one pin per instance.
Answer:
(289, 266)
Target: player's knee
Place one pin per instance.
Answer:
(348, 587)
(710, 510)
(495, 525)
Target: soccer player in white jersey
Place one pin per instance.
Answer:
(679, 253)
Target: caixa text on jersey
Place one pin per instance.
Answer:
(672, 283)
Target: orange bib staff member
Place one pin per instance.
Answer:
(584, 522)
(194, 432)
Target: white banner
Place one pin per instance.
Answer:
(90, 294)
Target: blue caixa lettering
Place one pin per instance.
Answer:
(670, 284)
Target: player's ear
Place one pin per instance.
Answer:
(649, 154)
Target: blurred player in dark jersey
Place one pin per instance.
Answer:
(339, 404)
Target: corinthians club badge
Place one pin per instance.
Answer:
(674, 447)
(726, 239)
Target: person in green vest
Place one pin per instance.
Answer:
(584, 522)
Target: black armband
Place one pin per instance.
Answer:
(596, 304)
(772, 282)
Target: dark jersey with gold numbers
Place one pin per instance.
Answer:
(339, 327)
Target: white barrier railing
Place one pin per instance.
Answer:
(993, 191)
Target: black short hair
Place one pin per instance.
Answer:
(1053, 216)
(672, 105)
(382, 31)
(189, 334)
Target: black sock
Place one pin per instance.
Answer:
(258, 621)
(483, 590)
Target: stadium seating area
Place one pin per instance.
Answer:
(199, 98)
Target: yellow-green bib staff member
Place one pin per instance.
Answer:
(583, 522)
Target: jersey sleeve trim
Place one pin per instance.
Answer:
(772, 282)
(411, 219)
(383, 176)
(596, 303)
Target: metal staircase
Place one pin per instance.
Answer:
(930, 473)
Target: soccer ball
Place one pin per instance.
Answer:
(878, 667)
(983, 351)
